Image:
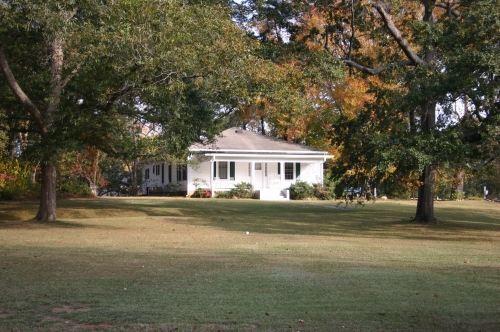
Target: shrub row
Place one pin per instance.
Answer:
(240, 190)
(303, 190)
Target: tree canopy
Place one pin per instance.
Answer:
(81, 70)
(422, 89)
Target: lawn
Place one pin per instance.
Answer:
(177, 264)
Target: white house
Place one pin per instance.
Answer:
(269, 164)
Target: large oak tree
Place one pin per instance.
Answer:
(434, 54)
(81, 69)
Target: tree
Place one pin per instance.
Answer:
(426, 50)
(79, 69)
(286, 101)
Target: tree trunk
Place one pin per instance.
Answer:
(47, 209)
(425, 203)
(33, 174)
(458, 184)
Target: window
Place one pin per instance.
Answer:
(156, 169)
(181, 172)
(258, 166)
(288, 171)
(222, 170)
(249, 169)
(265, 169)
(232, 170)
(146, 174)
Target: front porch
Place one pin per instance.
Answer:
(270, 178)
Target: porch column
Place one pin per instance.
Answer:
(188, 176)
(212, 177)
(252, 173)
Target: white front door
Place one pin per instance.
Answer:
(258, 175)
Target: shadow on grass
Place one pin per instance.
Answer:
(356, 225)
(388, 230)
(35, 224)
(380, 220)
(383, 220)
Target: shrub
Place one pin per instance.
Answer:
(458, 196)
(242, 190)
(15, 180)
(74, 186)
(324, 192)
(173, 187)
(223, 194)
(6, 195)
(301, 190)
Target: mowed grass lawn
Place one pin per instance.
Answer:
(177, 264)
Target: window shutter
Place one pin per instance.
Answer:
(279, 168)
(215, 169)
(231, 170)
(297, 171)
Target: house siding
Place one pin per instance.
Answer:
(309, 172)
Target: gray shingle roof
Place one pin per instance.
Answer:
(238, 140)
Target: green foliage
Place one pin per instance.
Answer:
(200, 188)
(199, 183)
(323, 193)
(327, 190)
(223, 194)
(115, 178)
(73, 186)
(173, 187)
(301, 190)
(179, 67)
(242, 190)
(4, 140)
(394, 189)
(458, 196)
(15, 180)
(385, 140)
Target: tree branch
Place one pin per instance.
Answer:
(448, 8)
(487, 161)
(16, 130)
(73, 72)
(56, 67)
(403, 44)
(19, 93)
(115, 95)
(379, 69)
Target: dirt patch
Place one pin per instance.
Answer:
(92, 326)
(69, 309)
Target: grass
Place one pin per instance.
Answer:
(175, 264)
